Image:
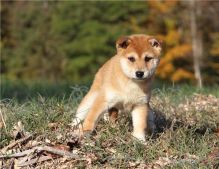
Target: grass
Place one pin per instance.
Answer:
(182, 129)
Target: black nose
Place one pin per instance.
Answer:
(139, 74)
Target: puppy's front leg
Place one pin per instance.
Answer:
(98, 107)
(139, 119)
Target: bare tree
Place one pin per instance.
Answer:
(197, 46)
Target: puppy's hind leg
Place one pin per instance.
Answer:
(84, 107)
(111, 115)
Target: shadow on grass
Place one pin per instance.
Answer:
(162, 123)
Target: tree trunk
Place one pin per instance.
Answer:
(197, 46)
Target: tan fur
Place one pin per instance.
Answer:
(115, 86)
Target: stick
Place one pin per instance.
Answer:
(15, 155)
(40, 149)
(3, 121)
(33, 161)
(3, 150)
(57, 151)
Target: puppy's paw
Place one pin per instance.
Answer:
(139, 136)
(75, 122)
(81, 132)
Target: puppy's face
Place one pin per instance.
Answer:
(139, 56)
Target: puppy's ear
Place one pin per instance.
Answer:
(156, 44)
(123, 42)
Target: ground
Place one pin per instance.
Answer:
(187, 121)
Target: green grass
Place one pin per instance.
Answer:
(180, 132)
(22, 91)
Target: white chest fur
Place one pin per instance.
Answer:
(130, 95)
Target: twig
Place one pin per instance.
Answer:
(16, 155)
(40, 149)
(3, 150)
(24, 159)
(3, 121)
(57, 151)
(33, 161)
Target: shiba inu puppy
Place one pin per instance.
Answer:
(123, 84)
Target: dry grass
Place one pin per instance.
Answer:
(186, 135)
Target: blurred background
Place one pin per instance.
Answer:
(65, 42)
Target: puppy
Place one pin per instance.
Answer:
(123, 83)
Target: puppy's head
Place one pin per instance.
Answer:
(139, 56)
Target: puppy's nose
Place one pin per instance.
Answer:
(139, 74)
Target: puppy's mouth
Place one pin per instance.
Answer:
(140, 79)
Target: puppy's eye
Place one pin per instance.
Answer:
(131, 59)
(147, 58)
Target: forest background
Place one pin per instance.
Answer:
(67, 41)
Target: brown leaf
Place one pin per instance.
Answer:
(1, 125)
(62, 147)
(53, 126)
(214, 154)
(162, 162)
(90, 157)
(32, 143)
(212, 157)
(18, 131)
(217, 132)
(16, 162)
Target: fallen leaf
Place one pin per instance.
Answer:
(16, 163)
(90, 157)
(1, 125)
(214, 153)
(212, 157)
(53, 126)
(217, 132)
(1, 164)
(62, 147)
(33, 143)
(59, 136)
(18, 131)
(190, 156)
(47, 141)
(162, 162)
